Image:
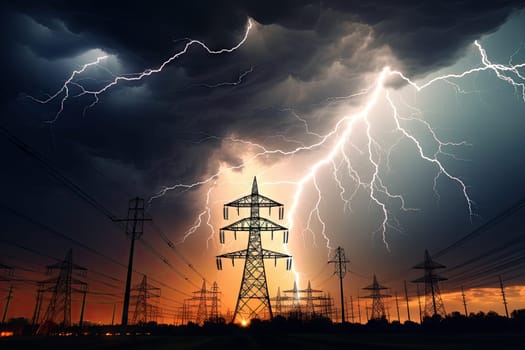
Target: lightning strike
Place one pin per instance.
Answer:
(65, 88)
(340, 137)
(337, 145)
(233, 83)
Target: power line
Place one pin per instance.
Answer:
(513, 209)
(76, 189)
(54, 172)
(171, 245)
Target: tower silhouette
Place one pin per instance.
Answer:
(214, 315)
(58, 312)
(144, 310)
(253, 300)
(434, 306)
(378, 304)
(340, 262)
(202, 308)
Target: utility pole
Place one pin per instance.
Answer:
(503, 296)
(340, 269)
(397, 308)
(134, 230)
(7, 301)
(113, 315)
(406, 298)
(81, 321)
(419, 303)
(464, 301)
(352, 308)
(358, 308)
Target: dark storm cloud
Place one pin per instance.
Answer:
(306, 52)
(424, 34)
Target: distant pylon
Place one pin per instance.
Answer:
(215, 300)
(253, 300)
(406, 299)
(59, 309)
(144, 311)
(378, 305)
(309, 300)
(433, 303)
(340, 269)
(278, 302)
(202, 310)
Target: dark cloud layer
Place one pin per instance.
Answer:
(301, 40)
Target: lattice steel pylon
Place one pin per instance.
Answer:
(433, 303)
(254, 300)
(214, 316)
(378, 304)
(59, 309)
(202, 308)
(144, 310)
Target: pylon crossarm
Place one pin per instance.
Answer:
(246, 224)
(269, 254)
(240, 254)
(249, 200)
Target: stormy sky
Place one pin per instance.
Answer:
(304, 66)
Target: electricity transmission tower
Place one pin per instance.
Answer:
(59, 309)
(214, 316)
(434, 306)
(303, 304)
(340, 269)
(378, 305)
(202, 307)
(253, 300)
(134, 229)
(145, 311)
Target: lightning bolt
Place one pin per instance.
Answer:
(337, 149)
(233, 83)
(64, 90)
(339, 141)
(198, 221)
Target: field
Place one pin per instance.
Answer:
(250, 340)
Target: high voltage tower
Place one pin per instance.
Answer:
(340, 262)
(144, 310)
(254, 300)
(59, 309)
(202, 307)
(303, 304)
(378, 304)
(434, 306)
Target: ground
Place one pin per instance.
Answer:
(245, 340)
